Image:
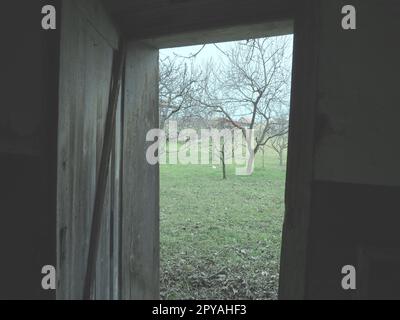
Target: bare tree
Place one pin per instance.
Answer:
(177, 79)
(279, 145)
(223, 154)
(225, 146)
(252, 82)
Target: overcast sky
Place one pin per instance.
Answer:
(209, 51)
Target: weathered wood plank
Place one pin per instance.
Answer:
(140, 220)
(103, 189)
(85, 72)
(115, 218)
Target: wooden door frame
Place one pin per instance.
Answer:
(293, 275)
(293, 272)
(139, 242)
(300, 168)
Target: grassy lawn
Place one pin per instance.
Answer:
(220, 239)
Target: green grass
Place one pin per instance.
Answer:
(221, 239)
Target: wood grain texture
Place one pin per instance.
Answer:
(102, 189)
(140, 220)
(85, 72)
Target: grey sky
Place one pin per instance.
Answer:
(209, 51)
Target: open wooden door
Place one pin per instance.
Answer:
(140, 180)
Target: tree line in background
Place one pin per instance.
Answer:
(246, 87)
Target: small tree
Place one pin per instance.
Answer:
(280, 142)
(224, 147)
(279, 145)
(223, 160)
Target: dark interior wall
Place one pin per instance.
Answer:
(356, 176)
(350, 224)
(358, 94)
(28, 131)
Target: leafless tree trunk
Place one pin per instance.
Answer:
(223, 162)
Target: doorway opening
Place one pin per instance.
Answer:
(224, 113)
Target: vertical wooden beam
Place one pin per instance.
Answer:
(140, 199)
(115, 217)
(85, 72)
(293, 271)
(104, 171)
